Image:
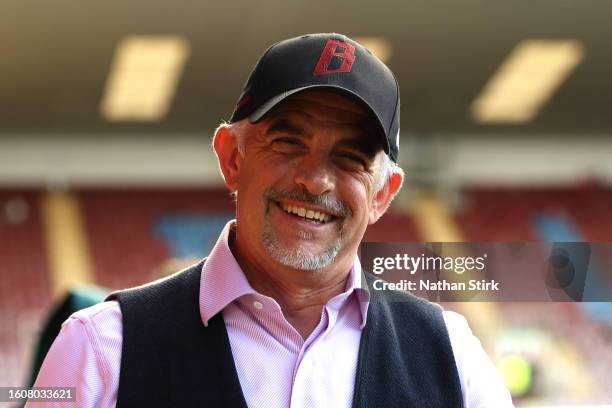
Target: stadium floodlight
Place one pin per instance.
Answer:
(380, 46)
(143, 78)
(526, 80)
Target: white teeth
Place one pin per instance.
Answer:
(309, 214)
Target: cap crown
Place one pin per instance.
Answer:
(329, 61)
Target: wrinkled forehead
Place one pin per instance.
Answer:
(333, 107)
(335, 99)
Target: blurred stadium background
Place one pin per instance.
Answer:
(107, 175)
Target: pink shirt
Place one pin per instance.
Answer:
(275, 366)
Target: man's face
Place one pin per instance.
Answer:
(306, 183)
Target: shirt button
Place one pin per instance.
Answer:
(257, 305)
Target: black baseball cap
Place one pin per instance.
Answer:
(323, 61)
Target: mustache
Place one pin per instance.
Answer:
(332, 205)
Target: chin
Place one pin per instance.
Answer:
(301, 258)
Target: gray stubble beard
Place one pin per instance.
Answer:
(299, 257)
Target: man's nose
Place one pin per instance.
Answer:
(314, 173)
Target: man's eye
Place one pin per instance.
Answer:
(287, 144)
(286, 140)
(352, 160)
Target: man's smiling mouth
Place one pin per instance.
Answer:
(305, 213)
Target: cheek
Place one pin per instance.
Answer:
(262, 162)
(258, 175)
(358, 193)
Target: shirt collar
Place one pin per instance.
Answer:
(222, 280)
(356, 283)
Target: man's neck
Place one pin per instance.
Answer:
(302, 294)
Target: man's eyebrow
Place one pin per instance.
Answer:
(366, 147)
(284, 126)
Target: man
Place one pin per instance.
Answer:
(279, 314)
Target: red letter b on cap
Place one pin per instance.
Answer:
(330, 51)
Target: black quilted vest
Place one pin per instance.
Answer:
(170, 359)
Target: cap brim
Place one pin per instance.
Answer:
(265, 107)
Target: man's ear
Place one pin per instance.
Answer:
(226, 148)
(383, 198)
